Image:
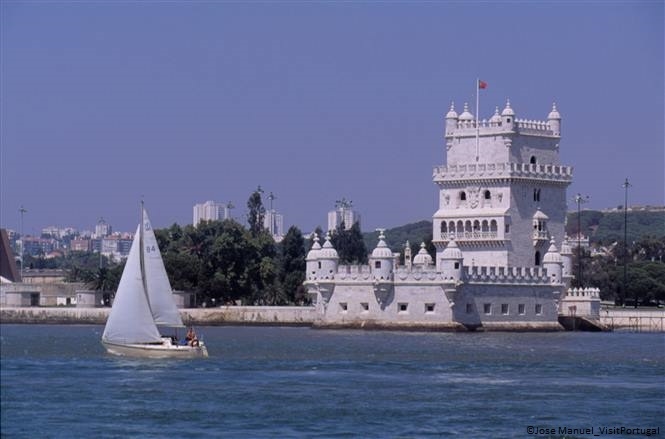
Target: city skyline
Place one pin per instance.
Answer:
(104, 105)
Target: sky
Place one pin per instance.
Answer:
(105, 103)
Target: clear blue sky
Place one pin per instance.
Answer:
(105, 102)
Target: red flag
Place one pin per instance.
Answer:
(482, 84)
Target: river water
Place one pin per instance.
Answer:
(280, 382)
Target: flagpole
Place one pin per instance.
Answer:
(477, 127)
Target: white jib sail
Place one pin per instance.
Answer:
(130, 320)
(164, 310)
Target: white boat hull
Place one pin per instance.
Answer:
(156, 350)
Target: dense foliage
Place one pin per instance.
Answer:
(225, 263)
(644, 272)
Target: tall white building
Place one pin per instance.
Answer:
(102, 229)
(343, 213)
(210, 211)
(502, 192)
(274, 223)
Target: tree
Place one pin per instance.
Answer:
(256, 212)
(292, 266)
(349, 244)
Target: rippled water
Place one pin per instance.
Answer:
(57, 381)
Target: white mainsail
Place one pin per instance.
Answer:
(160, 295)
(130, 320)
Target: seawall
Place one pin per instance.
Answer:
(229, 315)
(614, 319)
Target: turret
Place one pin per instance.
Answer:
(381, 260)
(567, 261)
(495, 120)
(422, 259)
(451, 261)
(508, 117)
(553, 263)
(466, 116)
(407, 255)
(451, 119)
(312, 261)
(554, 121)
(329, 260)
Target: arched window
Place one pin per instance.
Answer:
(536, 195)
(462, 196)
(485, 226)
(493, 226)
(451, 227)
(488, 195)
(460, 226)
(444, 229)
(476, 225)
(537, 258)
(533, 160)
(467, 226)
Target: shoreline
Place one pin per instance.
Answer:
(614, 319)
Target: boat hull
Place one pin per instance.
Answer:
(156, 350)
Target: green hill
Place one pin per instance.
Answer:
(608, 227)
(396, 237)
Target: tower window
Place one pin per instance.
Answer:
(377, 264)
(533, 160)
(536, 195)
(488, 195)
(537, 258)
(443, 227)
(462, 196)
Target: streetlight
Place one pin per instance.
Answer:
(626, 185)
(22, 210)
(579, 199)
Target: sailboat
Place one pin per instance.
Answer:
(143, 303)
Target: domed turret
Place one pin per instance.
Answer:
(567, 260)
(451, 261)
(495, 120)
(312, 260)
(508, 116)
(451, 119)
(381, 260)
(422, 259)
(554, 120)
(466, 115)
(329, 259)
(552, 262)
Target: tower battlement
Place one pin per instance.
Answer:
(482, 171)
(507, 275)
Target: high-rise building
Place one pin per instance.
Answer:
(343, 213)
(102, 229)
(274, 223)
(210, 211)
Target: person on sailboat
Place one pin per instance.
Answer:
(191, 338)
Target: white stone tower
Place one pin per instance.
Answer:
(502, 192)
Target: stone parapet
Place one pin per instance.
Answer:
(507, 275)
(488, 171)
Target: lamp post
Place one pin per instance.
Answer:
(22, 210)
(626, 185)
(579, 199)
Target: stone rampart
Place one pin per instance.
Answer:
(507, 275)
